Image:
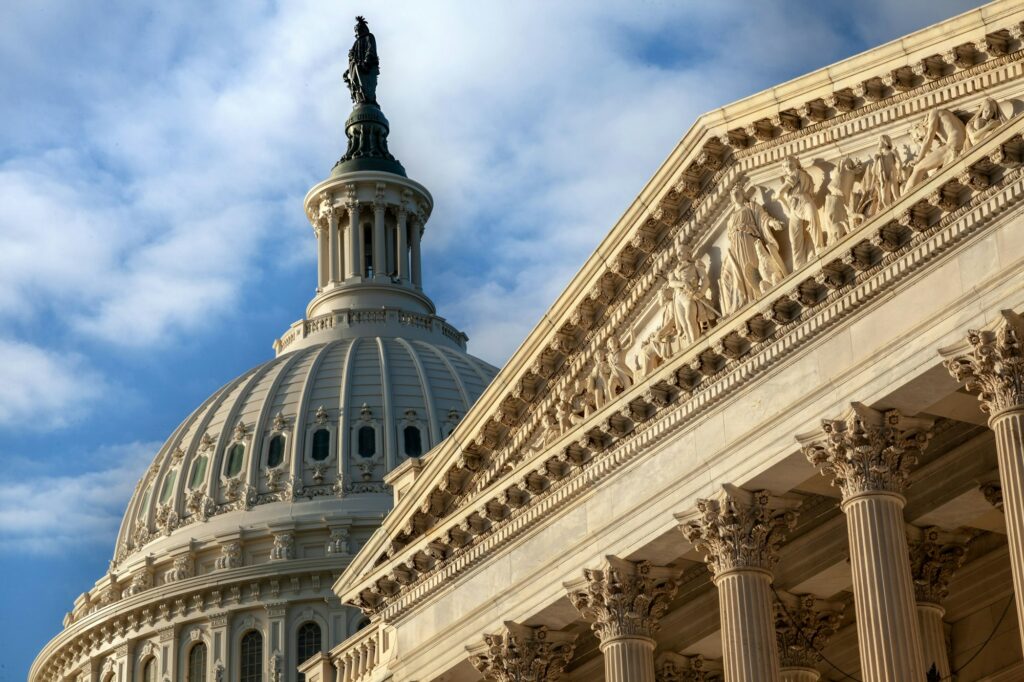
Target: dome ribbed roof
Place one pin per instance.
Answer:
(316, 429)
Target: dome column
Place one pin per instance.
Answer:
(335, 247)
(352, 238)
(380, 250)
(625, 600)
(739, 532)
(415, 229)
(868, 454)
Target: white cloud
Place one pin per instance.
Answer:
(43, 389)
(47, 512)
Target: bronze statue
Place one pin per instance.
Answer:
(363, 65)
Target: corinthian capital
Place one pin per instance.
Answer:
(672, 667)
(867, 450)
(624, 598)
(523, 654)
(804, 625)
(935, 556)
(738, 529)
(991, 362)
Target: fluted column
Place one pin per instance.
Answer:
(624, 601)
(935, 556)
(402, 245)
(992, 363)
(739, 532)
(868, 455)
(380, 246)
(354, 266)
(334, 267)
(803, 627)
(520, 653)
(414, 242)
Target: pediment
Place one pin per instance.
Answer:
(768, 211)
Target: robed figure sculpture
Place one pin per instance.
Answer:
(363, 65)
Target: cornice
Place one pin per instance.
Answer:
(698, 379)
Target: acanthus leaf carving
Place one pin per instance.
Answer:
(994, 364)
(523, 654)
(804, 625)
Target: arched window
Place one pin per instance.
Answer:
(168, 488)
(367, 441)
(275, 452)
(198, 472)
(307, 643)
(321, 445)
(236, 453)
(197, 663)
(149, 671)
(251, 665)
(413, 444)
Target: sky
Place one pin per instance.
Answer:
(153, 161)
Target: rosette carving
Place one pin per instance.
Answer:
(994, 364)
(523, 654)
(803, 627)
(868, 450)
(624, 598)
(739, 529)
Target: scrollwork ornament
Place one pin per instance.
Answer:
(739, 530)
(624, 598)
(868, 451)
(523, 654)
(994, 365)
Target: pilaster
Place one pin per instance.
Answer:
(868, 454)
(520, 653)
(624, 601)
(991, 362)
(740, 532)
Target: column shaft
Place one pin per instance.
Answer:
(933, 638)
(402, 246)
(417, 278)
(887, 629)
(334, 250)
(380, 246)
(800, 675)
(628, 659)
(323, 251)
(352, 246)
(748, 626)
(1009, 430)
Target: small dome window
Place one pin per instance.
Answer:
(198, 472)
(168, 488)
(197, 663)
(275, 452)
(308, 643)
(251, 666)
(321, 445)
(149, 671)
(236, 453)
(367, 445)
(413, 441)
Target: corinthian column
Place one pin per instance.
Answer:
(624, 600)
(740, 533)
(992, 363)
(935, 556)
(868, 455)
(523, 654)
(803, 627)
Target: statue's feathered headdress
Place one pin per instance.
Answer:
(361, 21)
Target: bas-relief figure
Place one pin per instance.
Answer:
(845, 205)
(749, 225)
(941, 136)
(884, 176)
(985, 121)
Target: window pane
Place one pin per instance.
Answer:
(413, 446)
(165, 492)
(275, 453)
(367, 441)
(251, 665)
(197, 663)
(198, 472)
(321, 445)
(236, 453)
(308, 643)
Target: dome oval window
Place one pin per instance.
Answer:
(165, 491)
(275, 452)
(198, 472)
(367, 441)
(321, 445)
(236, 453)
(413, 441)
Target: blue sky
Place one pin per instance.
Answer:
(153, 161)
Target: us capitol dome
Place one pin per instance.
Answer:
(224, 562)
